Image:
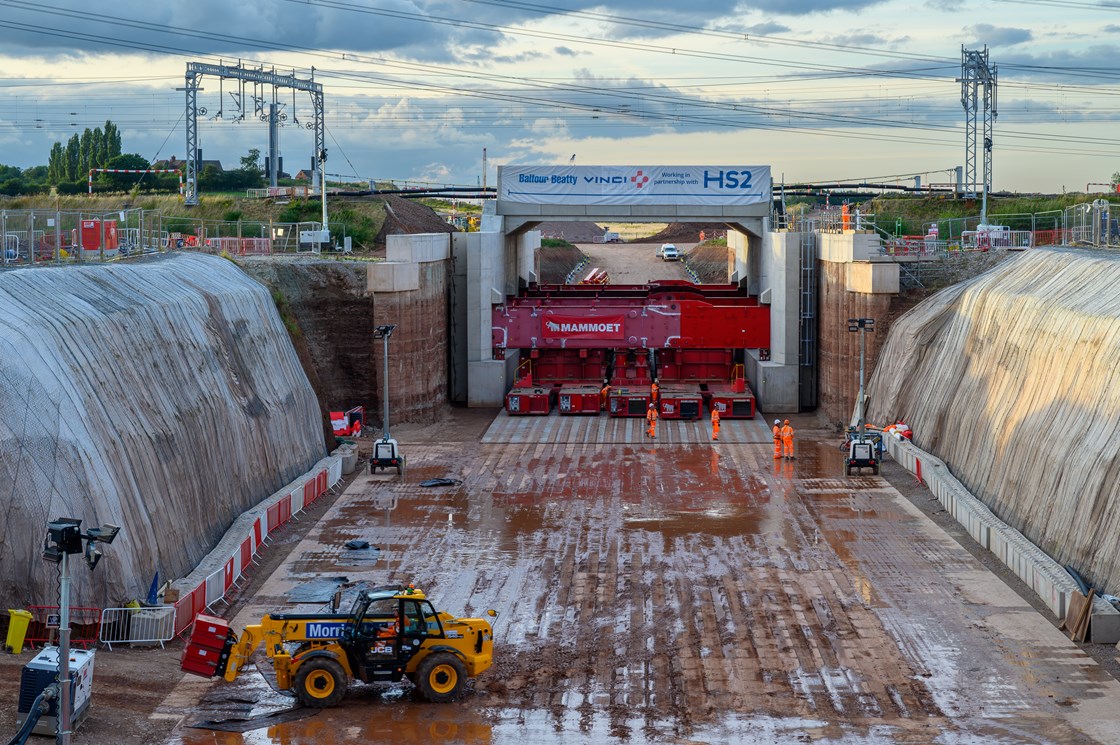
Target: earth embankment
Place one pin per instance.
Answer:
(1010, 378)
(163, 396)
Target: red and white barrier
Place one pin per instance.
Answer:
(217, 574)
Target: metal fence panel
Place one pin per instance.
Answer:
(137, 625)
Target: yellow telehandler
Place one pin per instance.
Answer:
(389, 634)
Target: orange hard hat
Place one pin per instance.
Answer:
(787, 421)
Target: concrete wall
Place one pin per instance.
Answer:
(770, 268)
(487, 261)
(850, 285)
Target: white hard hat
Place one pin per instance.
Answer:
(776, 422)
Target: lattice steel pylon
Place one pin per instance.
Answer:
(976, 72)
(195, 71)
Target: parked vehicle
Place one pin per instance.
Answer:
(668, 252)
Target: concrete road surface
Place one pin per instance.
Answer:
(634, 263)
(679, 591)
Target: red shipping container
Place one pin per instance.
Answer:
(580, 400)
(210, 632)
(536, 400)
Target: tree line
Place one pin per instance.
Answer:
(68, 167)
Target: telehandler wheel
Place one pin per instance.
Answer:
(847, 470)
(320, 682)
(441, 677)
(875, 470)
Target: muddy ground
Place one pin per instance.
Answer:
(664, 591)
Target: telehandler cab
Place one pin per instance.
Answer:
(389, 634)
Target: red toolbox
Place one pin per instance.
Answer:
(628, 402)
(680, 402)
(208, 649)
(209, 631)
(534, 400)
(580, 399)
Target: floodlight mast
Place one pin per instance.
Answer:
(383, 333)
(66, 536)
(863, 326)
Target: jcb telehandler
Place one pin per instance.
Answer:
(389, 634)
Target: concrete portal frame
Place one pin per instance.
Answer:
(499, 261)
(195, 71)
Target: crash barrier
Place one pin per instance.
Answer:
(85, 625)
(137, 625)
(571, 278)
(217, 574)
(1046, 577)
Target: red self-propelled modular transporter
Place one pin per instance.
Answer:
(688, 337)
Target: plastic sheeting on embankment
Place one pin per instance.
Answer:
(163, 395)
(1013, 380)
(216, 574)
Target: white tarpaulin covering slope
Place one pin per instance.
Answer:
(1013, 379)
(163, 396)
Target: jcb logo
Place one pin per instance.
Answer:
(382, 649)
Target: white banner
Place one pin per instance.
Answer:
(650, 185)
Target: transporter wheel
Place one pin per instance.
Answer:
(441, 677)
(320, 682)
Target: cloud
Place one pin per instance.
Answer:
(566, 52)
(947, 6)
(1111, 28)
(859, 40)
(810, 7)
(985, 33)
(767, 28)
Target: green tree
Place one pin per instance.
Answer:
(112, 141)
(1116, 179)
(85, 148)
(251, 161)
(56, 164)
(73, 157)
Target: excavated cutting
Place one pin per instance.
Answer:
(1011, 378)
(163, 396)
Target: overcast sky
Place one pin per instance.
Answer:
(820, 90)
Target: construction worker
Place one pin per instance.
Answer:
(653, 394)
(777, 440)
(604, 396)
(651, 421)
(715, 423)
(787, 440)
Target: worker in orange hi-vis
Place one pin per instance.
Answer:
(654, 396)
(787, 440)
(715, 423)
(651, 421)
(777, 440)
(604, 396)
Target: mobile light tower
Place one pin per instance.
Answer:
(864, 449)
(386, 454)
(64, 538)
(864, 326)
